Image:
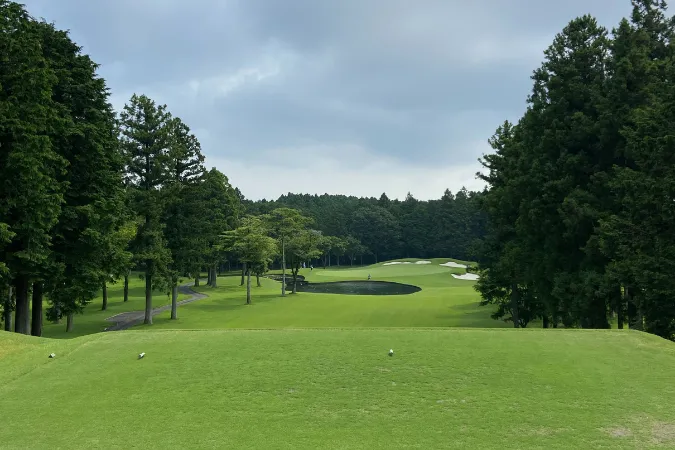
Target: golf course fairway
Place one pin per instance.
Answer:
(313, 370)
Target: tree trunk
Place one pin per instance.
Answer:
(375, 258)
(126, 287)
(639, 323)
(248, 287)
(283, 268)
(197, 280)
(148, 299)
(545, 319)
(21, 316)
(214, 277)
(621, 310)
(361, 259)
(105, 297)
(635, 317)
(69, 322)
(243, 274)
(36, 310)
(328, 258)
(257, 278)
(209, 275)
(7, 310)
(295, 281)
(338, 260)
(514, 306)
(174, 302)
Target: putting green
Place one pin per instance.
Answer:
(380, 271)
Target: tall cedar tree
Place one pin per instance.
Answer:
(218, 212)
(30, 193)
(633, 233)
(90, 215)
(561, 138)
(145, 143)
(181, 214)
(641, 233)
(502, 280)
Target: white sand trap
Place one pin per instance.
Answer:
(396, 262)
(423, 262)
(453, 264)
(467, 276)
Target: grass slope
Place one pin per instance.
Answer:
(443, 302)
(282, 389)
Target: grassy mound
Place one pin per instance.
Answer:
(339, 389)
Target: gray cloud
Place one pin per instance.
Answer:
(409, 88)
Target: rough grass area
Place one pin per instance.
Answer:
(93, 320)
(443, 302)
(281, 389)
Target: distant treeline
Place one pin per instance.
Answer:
(389, 229)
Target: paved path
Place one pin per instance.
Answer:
(130, 319)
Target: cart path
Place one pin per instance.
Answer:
(126, 320)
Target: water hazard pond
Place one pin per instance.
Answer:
(353, 287)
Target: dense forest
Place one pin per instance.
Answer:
(88, 194)
(581, 198)
(381, 229)
(575, 227)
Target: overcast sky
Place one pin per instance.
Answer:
(344, 96)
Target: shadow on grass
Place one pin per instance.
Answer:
(230, 303)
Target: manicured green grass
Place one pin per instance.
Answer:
(443, 302)
(281, 389)
(93, 320)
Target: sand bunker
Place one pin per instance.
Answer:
(466, 276)
(453, 264)
(423, 262)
